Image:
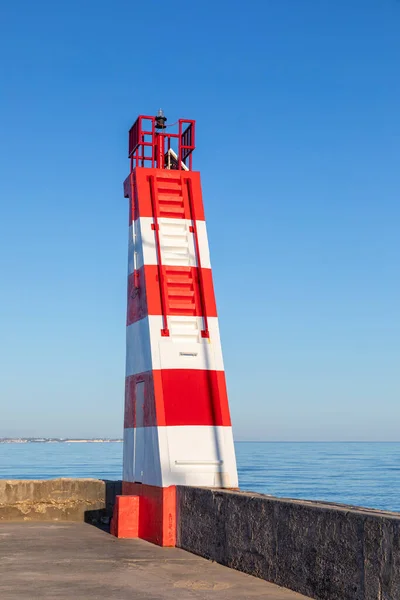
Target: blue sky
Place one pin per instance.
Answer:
(297, 108)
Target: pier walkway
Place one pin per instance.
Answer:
(77, 561)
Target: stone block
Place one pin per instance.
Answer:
(125, 521)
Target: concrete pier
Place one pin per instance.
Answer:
(76, 561)
(324, 551)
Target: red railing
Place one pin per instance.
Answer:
(147, 144)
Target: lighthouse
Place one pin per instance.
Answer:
(177, 426)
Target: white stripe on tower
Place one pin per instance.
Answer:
(191, 453)
(185, 348)
(177, 243)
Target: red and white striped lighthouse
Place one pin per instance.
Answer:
(177, 427)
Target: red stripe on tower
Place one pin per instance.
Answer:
(177, 427)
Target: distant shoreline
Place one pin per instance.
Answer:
(58, 440)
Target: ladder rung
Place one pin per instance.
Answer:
(171, 200)
(170, 210)
(172, 278)
(172, 191)
(179, 249)
(178, 240)
(177, 292)
(168, 180)
(182, 306)
(177, 261)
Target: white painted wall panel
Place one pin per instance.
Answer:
(190, 455)
(176, 242)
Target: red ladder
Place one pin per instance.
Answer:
(172, 197)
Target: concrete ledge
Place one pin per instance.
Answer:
(325, 551)
(57, 499)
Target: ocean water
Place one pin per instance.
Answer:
(360, 474)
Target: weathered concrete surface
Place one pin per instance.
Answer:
(56, 499)
(326, 551)
(75, 561)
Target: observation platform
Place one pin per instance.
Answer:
(79, 561)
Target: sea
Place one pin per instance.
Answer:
(357, 473)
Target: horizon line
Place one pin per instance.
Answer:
(120, 439)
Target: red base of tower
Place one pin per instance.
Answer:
(147, 512)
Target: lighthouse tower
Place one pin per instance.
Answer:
(177, 426)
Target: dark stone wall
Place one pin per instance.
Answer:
(325, 551)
